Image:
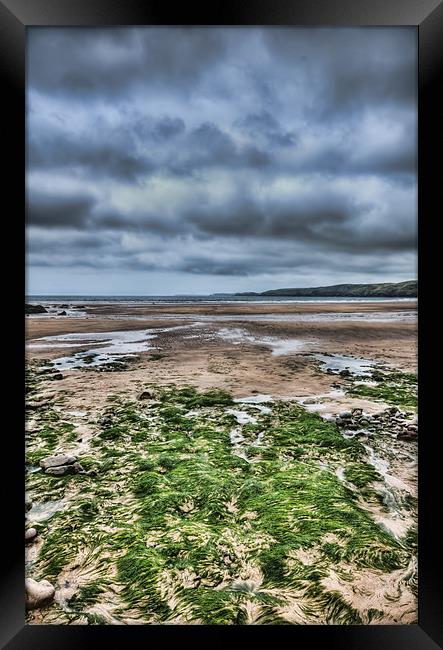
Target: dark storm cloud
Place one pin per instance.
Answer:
(223, 152)
(60, 210)
(97, 63)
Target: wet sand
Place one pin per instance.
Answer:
(199, 356)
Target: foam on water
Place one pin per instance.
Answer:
(107, 347)
(278, 346)
(338, 362)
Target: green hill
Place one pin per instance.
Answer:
(384, 290)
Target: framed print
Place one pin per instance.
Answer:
(227, 410)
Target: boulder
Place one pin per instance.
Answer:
(61, 313)
(38, 594)
(56, 461)
(345, 415)
(57, 376)
(345, 373)
(30, 535)
(35, 309)
(64, 470)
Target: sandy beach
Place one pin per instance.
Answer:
(349, 367)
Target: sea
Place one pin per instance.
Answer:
(197, 299)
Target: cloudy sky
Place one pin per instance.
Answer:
(179, 160)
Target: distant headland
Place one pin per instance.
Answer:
(384, 290)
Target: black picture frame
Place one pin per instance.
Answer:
(427, 16)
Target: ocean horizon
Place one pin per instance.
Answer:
(190, 298)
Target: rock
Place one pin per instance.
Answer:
(356, 412)
(30, 535)
(56, 461)
(57, 376)
(38, 594)
(64, 470)
(393, 409)
(345, 373)
(35, 309)
(145, 395)
(61, 313)
(310, 400)
(335, 385)
(345, 415)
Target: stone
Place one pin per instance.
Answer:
(56, 461)
(30, 535)
(58, 376)
(38, 594)
(145, 395)
(357, 412)
(345, 373)
(310, 400)
(345, 415)
(35, 309)
(61, 313)
(64, 470)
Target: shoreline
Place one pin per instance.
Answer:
(230, 388)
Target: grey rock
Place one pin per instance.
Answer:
(38, 594)
(345, 415)
(56, 461)
(30, 535)
(64, 470)
(310, 400)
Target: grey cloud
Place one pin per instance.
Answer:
(107, 62)
(223, 152)
(61, 210)
(264, 124)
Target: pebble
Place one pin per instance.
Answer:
(30, 534)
